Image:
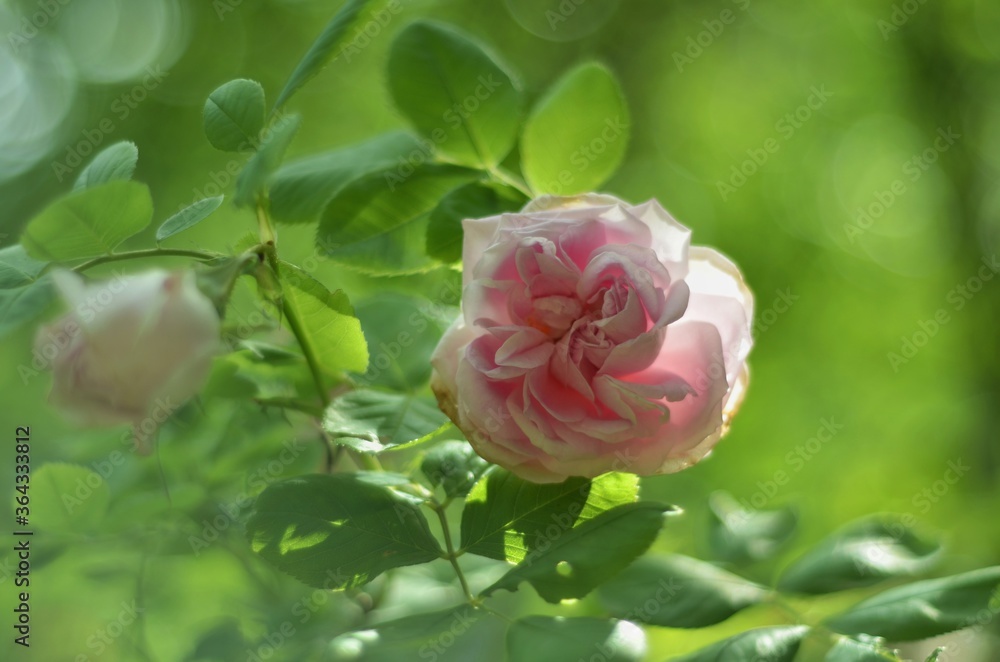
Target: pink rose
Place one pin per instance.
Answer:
(131, 350)
(593, 339)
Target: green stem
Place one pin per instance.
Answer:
(295, 325)
(367, 462)
(364, 460)
(268, 240)
(148, 252)
(264, 228)
(452, 556)
(268, 236)
(501, 616)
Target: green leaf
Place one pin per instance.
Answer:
(739, 535)
(401, 335)
(414, 637)
(454, 466)
(577, 134)
(114, 162)
(322, 50)
(301, 189)
(269, 378)
(678, 592)
(933, 657)
(378, 224)
(476, 200)
(329, 326)
(923, 609)
(372, 421)
(188, 217)
(253, 178)
(234, 115)
(506, 517)
(337, 531)
(559, 639)
(24, 304)
(17, 268)
(68, 498)
(580, 559)
(868, 649)
(455, 93)
(774, 644)
(88, 222)
(861, 554)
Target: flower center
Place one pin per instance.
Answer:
(554, 315)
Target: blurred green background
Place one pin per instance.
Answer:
(857, 223)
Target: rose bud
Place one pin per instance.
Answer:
(593, 338)
(131, 350)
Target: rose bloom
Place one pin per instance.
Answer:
(593, 338)
(131, 350)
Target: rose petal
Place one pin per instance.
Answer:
(671, 240)
(720, 297)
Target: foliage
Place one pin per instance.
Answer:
(481, 142)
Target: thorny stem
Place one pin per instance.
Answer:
(144, 253)
(268, 239)
(295, 326)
